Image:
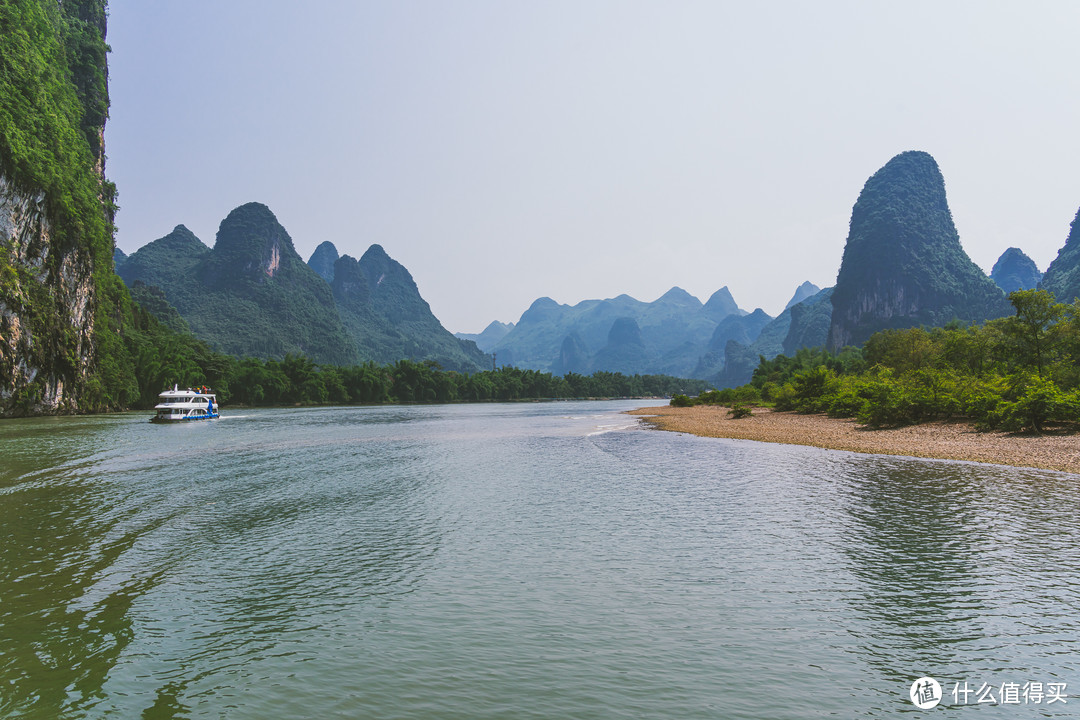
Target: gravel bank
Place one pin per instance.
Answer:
(943, 440)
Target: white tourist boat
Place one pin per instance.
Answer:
(178, 405)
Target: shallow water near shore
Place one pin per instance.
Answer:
(525, 560)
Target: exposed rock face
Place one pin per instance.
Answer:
(1063, 276)
(250, 246)
(55, 214)
(323, 259)
(46, 310)
(251, 294)
(903, 264)
(1015, 271)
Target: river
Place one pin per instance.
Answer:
(535, 560)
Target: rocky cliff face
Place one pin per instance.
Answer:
(903, 265)
(1063, 276)
(55, 207)
(46, 310)
(251, 294)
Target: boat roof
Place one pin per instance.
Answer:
(185, 393)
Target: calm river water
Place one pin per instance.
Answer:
(518, 561)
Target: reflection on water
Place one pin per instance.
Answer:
(511, 561)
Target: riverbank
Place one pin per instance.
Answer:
(940, 440)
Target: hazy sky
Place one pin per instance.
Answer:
(507, 150)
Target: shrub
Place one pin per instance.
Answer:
(714, 397)
(784, 397)
(738, 412)
(1041, 402)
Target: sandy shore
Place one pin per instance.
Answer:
(943, 440)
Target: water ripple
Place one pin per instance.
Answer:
(530, 560)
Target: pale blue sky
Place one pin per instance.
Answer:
(508, 150)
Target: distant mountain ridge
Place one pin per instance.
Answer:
(673, 331)
(489, 337)
(675, 334)
(903, 266)
(252, 294)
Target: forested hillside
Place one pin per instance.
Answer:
(903, 265)
(60, 304)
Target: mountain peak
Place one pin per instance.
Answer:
(903, 264)
(251, 244)
(1015, 271)
(678, 296)
(323, 259)
(720, 304)
(347, 281)
(806, 290)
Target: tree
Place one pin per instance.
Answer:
(1032, 331)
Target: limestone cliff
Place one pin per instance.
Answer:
(903, 265)
(46, 310)
(55, 205)
(251, 294)
(1063, 276)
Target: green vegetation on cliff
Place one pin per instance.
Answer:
(68, 326)
(53, 105)
(56, 281)
(903, 265)
(251, 294)
(1063, 276)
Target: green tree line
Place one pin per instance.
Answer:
(1018, 373)
(157, 357)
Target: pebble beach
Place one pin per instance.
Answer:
(940, 440)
